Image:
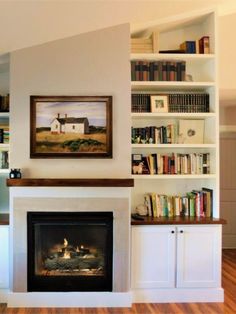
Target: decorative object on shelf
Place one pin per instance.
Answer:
(188, 78)
(159, 103)
(138, 169)
(15, 173)
(71, 126)
(191, 131)
(141, 210)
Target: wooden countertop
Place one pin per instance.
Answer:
(179, 221)
(4, 219)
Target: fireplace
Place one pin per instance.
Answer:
(69, 251)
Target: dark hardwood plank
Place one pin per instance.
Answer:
(178, 221)
(112, 182)
(228, 307)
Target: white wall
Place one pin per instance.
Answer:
(95, 63)
(227, 64)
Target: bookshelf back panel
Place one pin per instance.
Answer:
(171, 39)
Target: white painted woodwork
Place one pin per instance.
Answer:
(4, 259)
(188, 258)
(153, 257)
(198, 256)
(203, 70)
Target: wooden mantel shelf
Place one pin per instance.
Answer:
(40, 182)
(179, 221)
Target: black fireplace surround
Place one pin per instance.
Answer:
(69, 251)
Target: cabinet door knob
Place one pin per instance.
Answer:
(181, 231)
(172, 231)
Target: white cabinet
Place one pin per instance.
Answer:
(153, 255)
(176, 256)
(4, 257)
(198, 258)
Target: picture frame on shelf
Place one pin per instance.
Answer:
(159, 103)
(70, 126)
(191, 131)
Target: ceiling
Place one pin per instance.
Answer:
(31, 22)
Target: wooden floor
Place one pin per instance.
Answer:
(228, 307)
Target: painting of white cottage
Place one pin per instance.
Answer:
(70, 127)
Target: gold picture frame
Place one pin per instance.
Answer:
(70, 126)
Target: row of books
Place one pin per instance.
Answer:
(158, 70)
(4, 160)
(155, 135)
(193, 204)
(191, 102)
(201, 46)
(175, 163)
(4, 103)
(4, 134)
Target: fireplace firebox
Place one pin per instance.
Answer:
(69, 251)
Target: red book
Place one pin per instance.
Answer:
(204, 45)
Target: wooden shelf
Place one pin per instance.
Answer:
(4, 219)
(83, 182)
(178, 221)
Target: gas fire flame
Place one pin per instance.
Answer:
(65, 243)
(66, 255)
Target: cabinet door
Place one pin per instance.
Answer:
(4, 259)
(198, 256)
(153, 257)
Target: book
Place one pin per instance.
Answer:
(1, 135)
(189, 46)
(208, 202)
(204, 45)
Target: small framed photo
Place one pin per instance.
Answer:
(159, 103)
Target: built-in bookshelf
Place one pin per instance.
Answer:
(4, 132)
(193, 100)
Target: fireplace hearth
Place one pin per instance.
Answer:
(69, 251)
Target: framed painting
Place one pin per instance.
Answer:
(70, 126)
